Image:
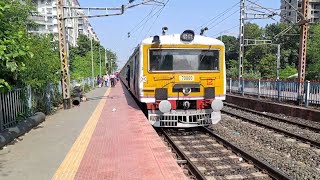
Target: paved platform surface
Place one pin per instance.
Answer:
(41, 151)
(122, 146)
(106, 137)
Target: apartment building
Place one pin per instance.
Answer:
(288, 12)
(47, 21)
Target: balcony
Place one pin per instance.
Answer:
(38, 18)
(80, 27)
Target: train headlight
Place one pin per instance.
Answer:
(186, 105)
(156, 39)
(165, 106)
(216, 105)
(186, 91)
(187, 35)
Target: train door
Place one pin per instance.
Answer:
(131, 75)
(136, 74)
(128, 76)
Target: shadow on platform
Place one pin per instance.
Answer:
(131, 101)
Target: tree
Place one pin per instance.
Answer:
(82, 67)
(252, 31)
(13, 50)
(288, 71)
(41, 71)
(254, 55)
(80, 59)
(232, 69)
(267, 66)
(257, 59)
(231, 48)
(112, 61)
(313, 55)
(44, 67)
(289, 42)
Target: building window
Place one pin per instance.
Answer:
(49, 10)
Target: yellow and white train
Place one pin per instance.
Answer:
(179, 78)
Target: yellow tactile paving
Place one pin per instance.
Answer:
(71, 163)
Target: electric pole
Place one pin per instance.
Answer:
(92, 68)
(241, 41)
(111, 65)
(303, 47)
(249, 16)
(105, 60)
(278, 61)
(100, 60)
(65, 79)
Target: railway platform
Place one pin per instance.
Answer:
(107, 137)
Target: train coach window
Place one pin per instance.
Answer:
(183, 60)
(208, 60)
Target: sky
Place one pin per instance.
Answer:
(177, 15)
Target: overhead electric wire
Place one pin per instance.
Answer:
(257, 10)
(146, 19)
(153, 8)
(144, 25)
(223, 14)
(217, 16)
(255, 3)
(158, 12)
(157, 17)
(226, 30)
(274, 12)
(223, 19)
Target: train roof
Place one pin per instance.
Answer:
(175, 39)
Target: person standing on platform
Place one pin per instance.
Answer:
(98, 81)
(112, 80)
(105, 79)
(117, 76)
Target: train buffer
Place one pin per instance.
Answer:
(107, 137)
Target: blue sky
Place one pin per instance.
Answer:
(177, 15)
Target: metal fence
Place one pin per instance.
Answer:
(11, 105)
(18, 102)
(83, 82)
(280, 90)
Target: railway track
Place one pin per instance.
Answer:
(302, 137)
(209, 156)
(314, 127)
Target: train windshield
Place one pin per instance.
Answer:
(183, 60)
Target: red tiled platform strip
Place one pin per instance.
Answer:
(125, 146)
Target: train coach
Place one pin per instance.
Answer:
(179, 78)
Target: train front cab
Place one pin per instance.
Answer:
(184, 84)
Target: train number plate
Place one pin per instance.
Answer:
(186, 78)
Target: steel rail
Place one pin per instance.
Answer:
(276, 118)
(192, 168)
(262, 165)
(312, 142)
